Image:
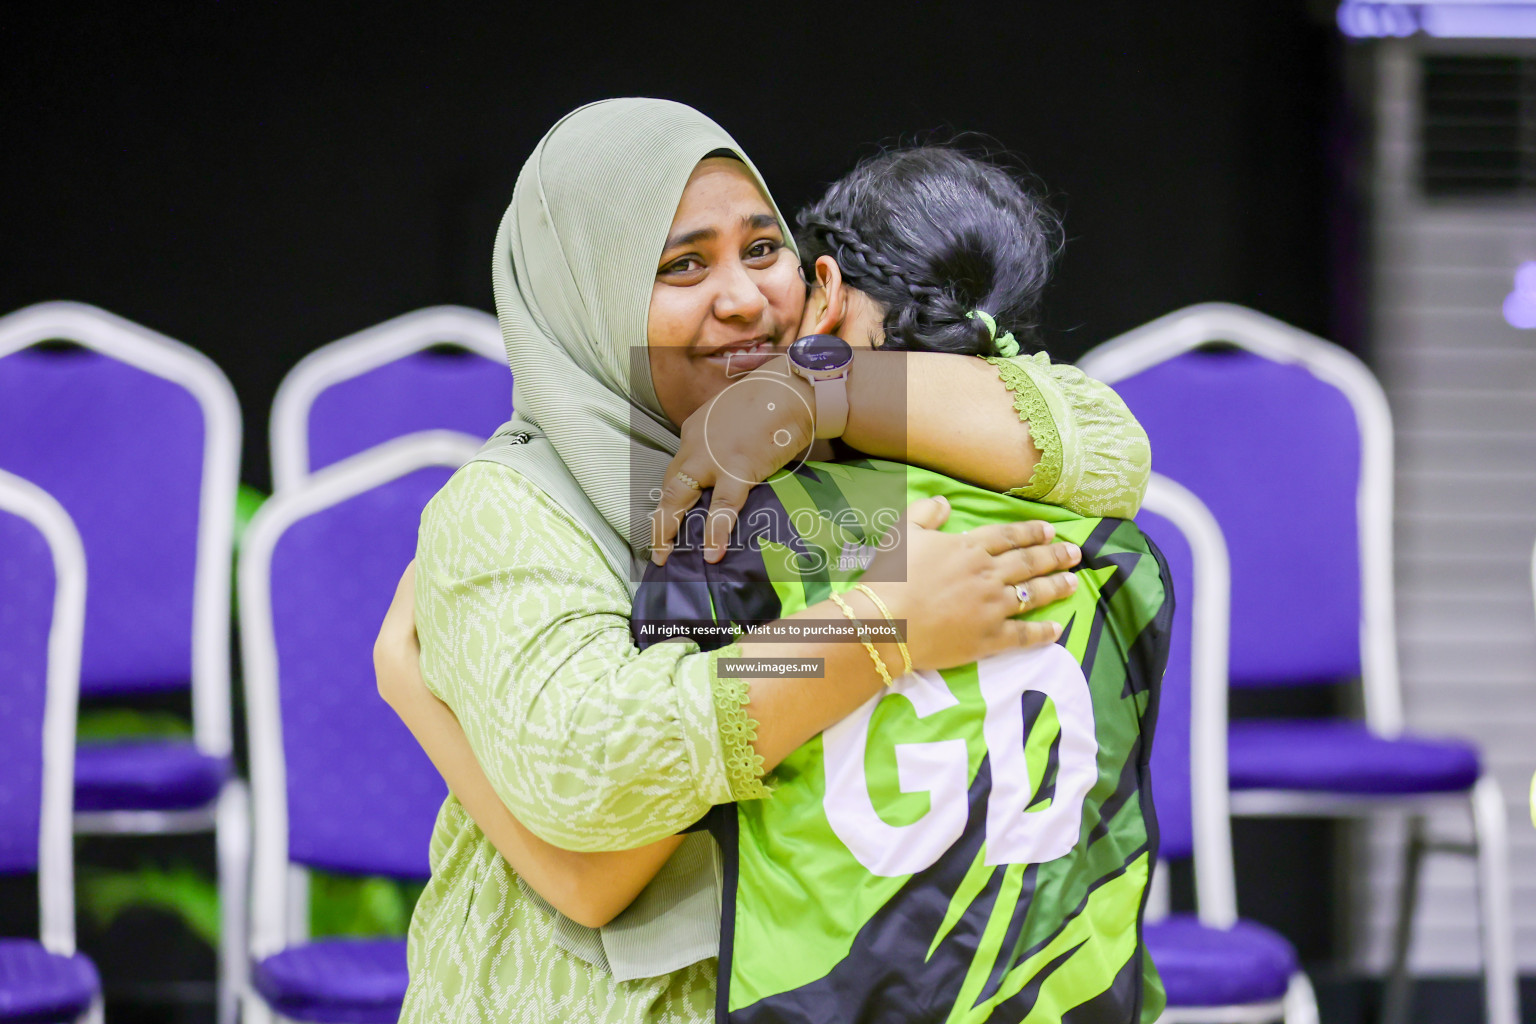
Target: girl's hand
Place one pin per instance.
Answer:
(740, 438)
(957, 592)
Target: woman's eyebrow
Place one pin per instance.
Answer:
(689, 238)
(752, 222)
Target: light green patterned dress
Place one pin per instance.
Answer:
(595, 745)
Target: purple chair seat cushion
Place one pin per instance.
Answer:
(146, 775)
(37, 986)
(1331, 756)
(1203, 966)
(347, 981)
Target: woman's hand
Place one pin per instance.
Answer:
(738, 439)
(957, 599)
(958, 594)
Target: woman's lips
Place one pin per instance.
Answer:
(737, 361)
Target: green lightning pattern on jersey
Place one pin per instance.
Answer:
(970, 846)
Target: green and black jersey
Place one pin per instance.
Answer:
(971, 845)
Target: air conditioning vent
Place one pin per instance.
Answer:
(1478, 126)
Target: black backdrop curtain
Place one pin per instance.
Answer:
(257, 180)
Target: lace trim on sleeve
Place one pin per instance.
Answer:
(1031, 407)
(1107, 472)
(743, 765)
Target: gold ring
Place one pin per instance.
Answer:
(688, 481)
(1022, 593)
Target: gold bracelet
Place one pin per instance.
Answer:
(874, 655)
(901, 644)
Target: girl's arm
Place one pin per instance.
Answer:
(1019, 425)
(589, 888)
(1060, 437)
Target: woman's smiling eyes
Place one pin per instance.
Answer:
(691, 268)
(683, 265)
(765, 249)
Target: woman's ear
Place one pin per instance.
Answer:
(833, 293)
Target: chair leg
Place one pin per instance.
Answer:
(1501, 986)
(298, 905)
(1399, 983)
(254, 1010)
(1158, 899)
(95, 1014)
(1300, 1001)
(233, 841)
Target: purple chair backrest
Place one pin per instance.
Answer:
(440, 368)
(122, 450)
(361, 796)
(42, 618)
(26, 613)
(1275, 453)
(426, 390)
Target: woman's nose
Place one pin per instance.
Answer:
(739, 297)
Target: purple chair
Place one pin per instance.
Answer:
(387, 381)
(338, 783)
(42, 616)
(1215, 966)
(1288, 440)
(138, 437)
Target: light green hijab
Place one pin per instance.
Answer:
(573, 269)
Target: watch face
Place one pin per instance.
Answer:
(821, 352)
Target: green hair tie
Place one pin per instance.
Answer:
(1005, 346)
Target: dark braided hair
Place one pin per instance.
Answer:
(932, 234)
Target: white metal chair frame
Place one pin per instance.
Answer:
(66, 630)
(1215, 887)
(276, 922)
(355, 355)
(329, 365)
(1194, 326)
(154, 353)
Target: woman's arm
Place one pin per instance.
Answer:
(589, 888)
(958, 417)
(593, 888)
(595, 745)
(1018, 425)
(1095, 458)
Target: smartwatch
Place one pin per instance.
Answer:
(824, 360)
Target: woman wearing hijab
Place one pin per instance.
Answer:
(526, 561)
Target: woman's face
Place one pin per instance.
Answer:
(728, 294)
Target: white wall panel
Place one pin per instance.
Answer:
(1462, 386)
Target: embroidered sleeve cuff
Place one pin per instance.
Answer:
(1031, 407)
(1108, 461)
(743, 764)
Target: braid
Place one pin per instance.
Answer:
(861, 262)
(913, 308)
